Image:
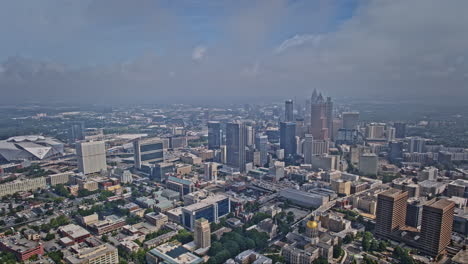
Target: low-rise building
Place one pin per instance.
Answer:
(101, 254)
(252, 257)
(59, 178)
(305, 199)
(75, 232)
(156, 219)
(173, 253)
(89, 219)
(22, 248)
(110, 224)
(22, 186)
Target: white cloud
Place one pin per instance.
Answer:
(199, 52)
(399, 47)
(298, 40)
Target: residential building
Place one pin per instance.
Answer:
(22, 186)
(59, 178)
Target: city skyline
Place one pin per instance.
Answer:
(233, 132)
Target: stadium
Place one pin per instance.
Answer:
(29, 148)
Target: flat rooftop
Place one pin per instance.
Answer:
(75, 231)
(440, 204)
(19, 244)
(175, 253)
(206, 202)
(392, 193)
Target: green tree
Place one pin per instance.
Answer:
(321, 260)
(184, 236)
(56, 256)
(49, 237)
(382, 246)
(290, 218)
(348, 238)
(337, 251)
(215, 248)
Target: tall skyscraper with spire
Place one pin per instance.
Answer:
(321, 116)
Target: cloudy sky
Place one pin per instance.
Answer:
(159, 51)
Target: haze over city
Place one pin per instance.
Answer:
(233, 132)
(153, 51)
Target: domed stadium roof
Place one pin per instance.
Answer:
(29, 148)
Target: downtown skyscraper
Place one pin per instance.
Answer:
(236, 141)
(261, 144)
(288, 138)
(289, 111)
(214, 135)
(436, 226)
(321, 116)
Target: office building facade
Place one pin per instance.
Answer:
(391, 212)
(400, 130)
(214, 135)
(261, 144)
(289, 111)
(149, 150)
(236, 143)
(91, 157)
(320, 111)
(77, 132)
(350, 120)
(288, 138)
(436, 226)
(211, 208)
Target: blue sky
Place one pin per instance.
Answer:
(120, 50)
(108, 31)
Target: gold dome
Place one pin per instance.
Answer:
(312, 224)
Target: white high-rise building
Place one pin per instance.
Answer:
(375, 131)
(91, 157)
(307, 147)
(211, 171)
